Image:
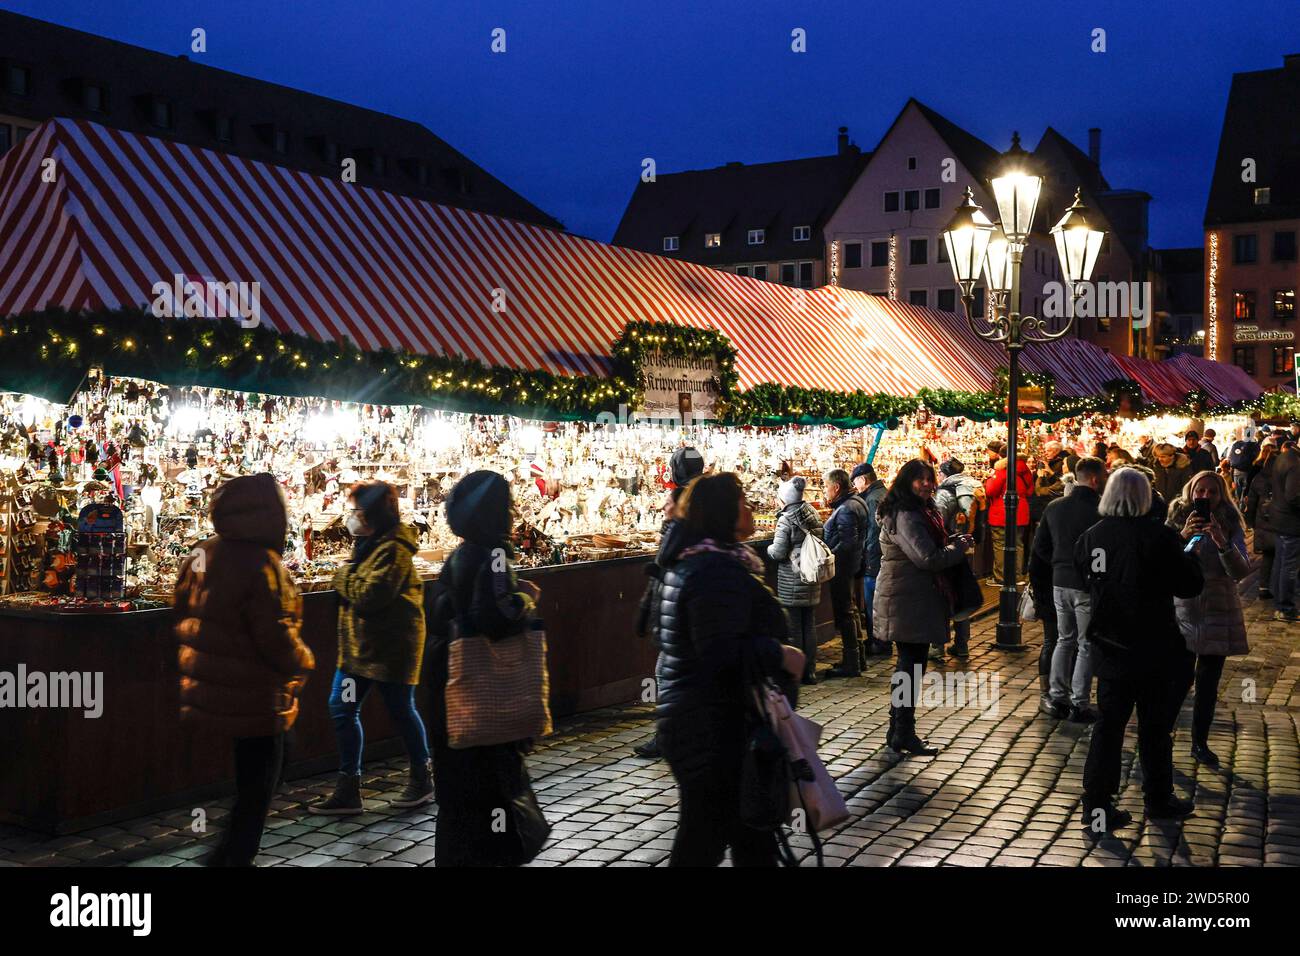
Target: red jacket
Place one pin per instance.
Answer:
(995, 486)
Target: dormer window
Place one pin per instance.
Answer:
(280, 141)
(18, 80)
(1263, 196)
(802, 233)
(160, 113)
(94, 97)
(672, 243)
(223, 128)
(757, 237)
(713, 240)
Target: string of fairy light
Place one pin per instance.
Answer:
(222, 353)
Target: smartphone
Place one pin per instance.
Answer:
(1201, 508)
(1194, 543)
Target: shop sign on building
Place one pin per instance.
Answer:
(1253, 333)
(680, 386)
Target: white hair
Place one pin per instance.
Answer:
(1127, 495)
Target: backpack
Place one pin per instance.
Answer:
(814, 564)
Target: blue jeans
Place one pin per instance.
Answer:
(1285, 564)
(1071, 671)
(868, 602)
(400, 701)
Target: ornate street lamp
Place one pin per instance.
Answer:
(975, 246)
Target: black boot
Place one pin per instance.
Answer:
(905, 739)
(419, 788)
(1202, 753)
(346, 798)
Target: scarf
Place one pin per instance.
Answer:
(737, 552)
(939, 534)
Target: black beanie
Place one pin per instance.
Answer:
(686, 463)
(478, 508)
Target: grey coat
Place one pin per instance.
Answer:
(1213, 622)
(909, 607)
(792, 526)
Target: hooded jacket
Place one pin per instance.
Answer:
(956, 493)
(995, 487)
(238, 616)
(795, 522)
(845, 533)
(1169, 481)
(381, 610)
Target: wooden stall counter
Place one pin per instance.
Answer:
(64, 769)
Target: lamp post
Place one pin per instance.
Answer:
(975, 245)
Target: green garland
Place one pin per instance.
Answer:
(48, 353)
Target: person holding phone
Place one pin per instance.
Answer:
(914, 598)
(1212, 623)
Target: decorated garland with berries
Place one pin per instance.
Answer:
(48, 354)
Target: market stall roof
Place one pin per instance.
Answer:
(1224, 383)
(1080, 368)
(336, 260)
(1161, 383)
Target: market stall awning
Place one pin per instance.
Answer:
(1224, 383)
(1161, 383)
(1080, 368)
(335, 260)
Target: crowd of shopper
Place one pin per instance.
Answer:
(1134, 560)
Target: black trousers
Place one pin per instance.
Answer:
(704, 749)
(1157, 697)
(905, 685)
(1049, 645)
(846, 618)
(258, 761)
(803, 635)
(1209, 669)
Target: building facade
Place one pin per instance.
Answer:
(48, 70)
(762, 220)
(1252, 219)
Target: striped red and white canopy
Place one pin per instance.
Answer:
(92, 217)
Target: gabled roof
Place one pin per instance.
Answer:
(735, 198)
(972, 152)
(1259, 123)
(63, 61)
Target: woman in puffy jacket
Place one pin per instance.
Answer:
(719, 624)
(914, 598)
(795, 522)
(242, 661)
(1212, 624)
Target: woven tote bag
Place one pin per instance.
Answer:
(497, 691)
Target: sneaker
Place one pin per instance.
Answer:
(936, 652)
(419, 788)
(1289, 616)
(1171, 808)
(345, 800)
(1082, 715)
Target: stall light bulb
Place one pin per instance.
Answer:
(185, 421)
(440, 435)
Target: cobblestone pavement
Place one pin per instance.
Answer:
(1004, 791)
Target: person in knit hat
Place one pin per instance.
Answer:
(795, 521)
(483, 596)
